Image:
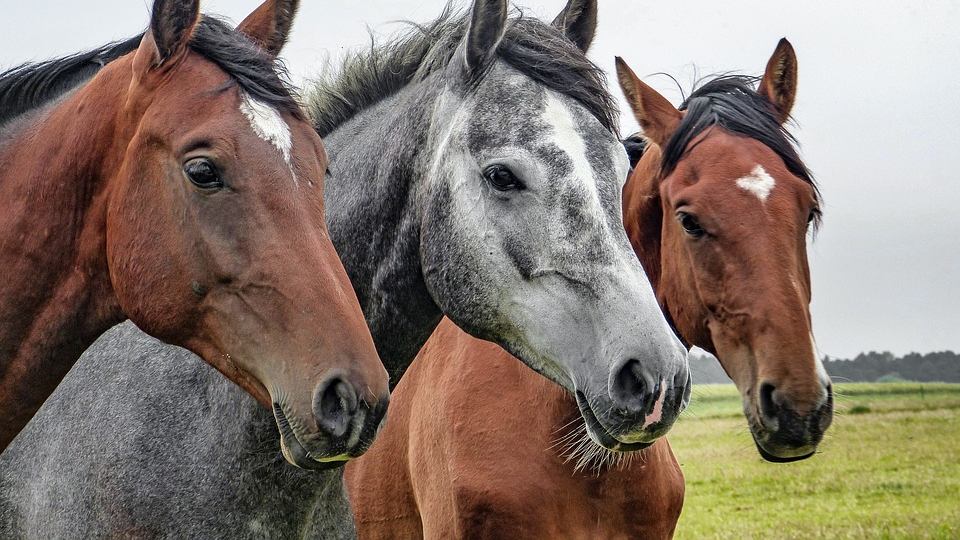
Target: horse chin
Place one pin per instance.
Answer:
(600, 435)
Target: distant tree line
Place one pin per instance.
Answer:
(874, 366)
(866, 367)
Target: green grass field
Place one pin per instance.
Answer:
(889, 468)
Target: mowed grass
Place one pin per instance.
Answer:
(889, 468)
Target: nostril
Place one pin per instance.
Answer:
(630, 389)
(335, 404)
(768, 407)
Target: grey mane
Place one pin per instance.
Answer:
(536, 49)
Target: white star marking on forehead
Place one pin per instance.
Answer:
(268, 125)
(758, 182)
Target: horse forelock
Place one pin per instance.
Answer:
(731, 103)
(261, 76)
(534, 48)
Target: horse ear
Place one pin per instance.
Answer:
(779, 83)
(578, 22)
(488, 24)
(171, 26)
(658, 118)
(269, 25)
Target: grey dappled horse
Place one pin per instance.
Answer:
(475, 173)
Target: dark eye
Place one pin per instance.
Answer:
(203, 174)
(690, 225)
(814, 215)
(501, 178)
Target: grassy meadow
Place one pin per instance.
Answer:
(889, 468)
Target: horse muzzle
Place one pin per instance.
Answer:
(345, 426)
(635, 419)
(781, 433)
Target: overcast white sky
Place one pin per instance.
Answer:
(878, 113)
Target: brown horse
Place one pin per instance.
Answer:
(718, 209)
(182, 187)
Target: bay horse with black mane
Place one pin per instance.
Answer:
(476, 172)
(718, 208)
(180, 187)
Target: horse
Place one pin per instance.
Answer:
(179, 188)
(440, 200)
(718, 202)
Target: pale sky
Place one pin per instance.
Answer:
(877, 115)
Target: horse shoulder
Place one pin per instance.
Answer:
(646, 497)
(380, 482)
(496, 480)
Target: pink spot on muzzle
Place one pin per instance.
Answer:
(657, 412)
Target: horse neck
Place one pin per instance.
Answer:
(55, 297)
(373, 211)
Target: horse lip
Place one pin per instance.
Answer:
(294, 451)
(599, 434)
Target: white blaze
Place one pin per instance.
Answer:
(565, 136)
(758, 182)
(268, 125)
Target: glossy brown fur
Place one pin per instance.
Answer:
(100, 223)
(453, 465)
(470, 451)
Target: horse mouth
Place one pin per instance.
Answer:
(772, 452)
(599, 434)
(294, 450)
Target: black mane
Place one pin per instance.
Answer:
(536, 49)
(33, 85)
(635, 145)
(731, 103)
(29, 86)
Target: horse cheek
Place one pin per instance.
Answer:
(150, 284)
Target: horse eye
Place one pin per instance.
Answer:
(202, 173)
(690, 225)
(814, 214)
(501, 178)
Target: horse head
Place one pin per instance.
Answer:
(523, 236)
(215, 228)
(718, 209)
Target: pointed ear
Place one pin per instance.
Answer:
(488, 24)
(578, 21)
(171, 26)
(779, 83)
(269, 25)
(657, 116)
